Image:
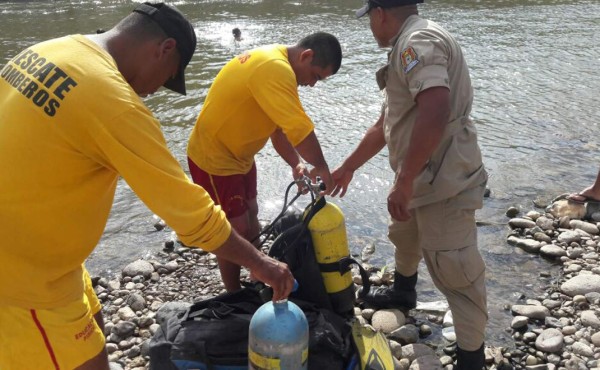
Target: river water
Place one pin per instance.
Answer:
(534, 69)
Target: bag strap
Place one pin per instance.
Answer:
(342, 266)
(244, 301)
(218, 310)
(313, 208)
(300, 228)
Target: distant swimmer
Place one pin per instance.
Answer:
(237, 34)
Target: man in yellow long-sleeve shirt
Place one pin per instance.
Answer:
(71, 123)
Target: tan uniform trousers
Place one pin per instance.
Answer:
(445, 234)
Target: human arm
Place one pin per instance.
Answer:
(369, 146)
(133, 146)
(264, 268)
(433, 111)
(310, 150)
(275, 89)
(288, 153)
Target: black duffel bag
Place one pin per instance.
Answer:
(213, 335)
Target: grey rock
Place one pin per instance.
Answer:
(124, 329)
(171, 266)
(111, 348)
(136, 302)
(589, 318)
(596, 339)
(388, 320)
(544, 223)
(115, 366)
(139, 267)
(113, 285)
(582, 349)
(133, 352)
(551, 340)
(569, 330)
(396, 349)
(367, 313)
(553, 250)
(533, 312)
(126, 313)
(581, 284)
(512, 212)
(573, 268)
(430, 362)
(528, 245)
(550, 303)
(574, 253)
(521, 223)
(593, 297)
(406, 334)
(569, 236)
(542, 237)
(519, 322)
(413, 351)
(585, 226)
(553, 322)
(425, 330)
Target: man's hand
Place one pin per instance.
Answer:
(398, 198)
(262, 267)
(325, 176)
(298, 172)
(341, 178)
(275, 274)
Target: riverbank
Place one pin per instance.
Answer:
(556, 330)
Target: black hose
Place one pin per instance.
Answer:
(269, 228)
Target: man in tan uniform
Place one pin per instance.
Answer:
(439, 176)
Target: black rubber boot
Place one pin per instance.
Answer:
(470, 360)
(401, 294)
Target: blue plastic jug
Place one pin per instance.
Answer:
(278, 337)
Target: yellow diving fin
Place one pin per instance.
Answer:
(372, 347)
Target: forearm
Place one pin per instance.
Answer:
(285, 149)
(310, 150)
(371, 144)
(239, 251)
(262, 267)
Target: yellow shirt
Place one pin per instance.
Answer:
(253, 95)
(69, 126)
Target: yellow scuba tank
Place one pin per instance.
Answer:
(328, 232)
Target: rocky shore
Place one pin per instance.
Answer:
(558, 330)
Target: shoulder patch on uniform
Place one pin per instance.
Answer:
(409, 59)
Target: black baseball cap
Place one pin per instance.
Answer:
(370, 4)
(175, 25)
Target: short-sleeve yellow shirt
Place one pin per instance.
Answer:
(253, 95)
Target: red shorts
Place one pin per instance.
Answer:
(232, 192)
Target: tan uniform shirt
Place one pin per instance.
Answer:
(425, 56)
